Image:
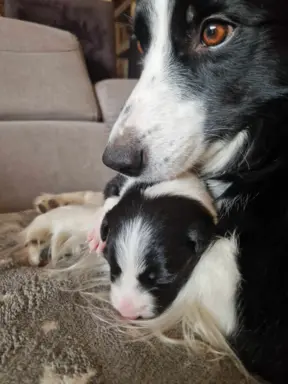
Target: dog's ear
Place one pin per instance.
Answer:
(104, 229)
(200, 235)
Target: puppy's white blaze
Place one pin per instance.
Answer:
(188, 185)
(158, 116)
(132, 243)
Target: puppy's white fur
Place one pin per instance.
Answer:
(132, 244)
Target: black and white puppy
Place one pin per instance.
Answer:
(166, 259)
(155, 237)
(163, 252)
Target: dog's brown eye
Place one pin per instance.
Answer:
(215, 33)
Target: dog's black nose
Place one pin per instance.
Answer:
(126, 159)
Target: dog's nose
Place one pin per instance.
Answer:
(124, 156)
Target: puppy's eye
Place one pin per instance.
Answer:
(151, 276)
(148, 277)
(215, 33)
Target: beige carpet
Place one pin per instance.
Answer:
(47, 337)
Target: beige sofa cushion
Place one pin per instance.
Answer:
(43, 156)
(112, 95)
(43, 75)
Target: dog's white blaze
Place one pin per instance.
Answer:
(132, 243)
(167, 125)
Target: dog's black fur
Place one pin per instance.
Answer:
(245, 85)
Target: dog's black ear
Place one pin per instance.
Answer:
(104, 229)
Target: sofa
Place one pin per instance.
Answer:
(91, 21)
(54, 123)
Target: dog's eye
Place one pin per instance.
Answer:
(215, 33)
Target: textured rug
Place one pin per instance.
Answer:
(47, 337)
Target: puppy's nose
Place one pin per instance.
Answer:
(124, 156)
(127, 310)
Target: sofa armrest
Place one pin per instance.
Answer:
(43, 75)
(112, 95)
(19, 36)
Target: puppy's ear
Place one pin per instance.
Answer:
(104, 229)
(200, 235)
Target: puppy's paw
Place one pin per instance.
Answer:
(37, 237)
(47, 202)
(57, 234)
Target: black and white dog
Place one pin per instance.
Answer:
(213, 97)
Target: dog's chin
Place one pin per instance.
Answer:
(162, 167)
(156, 173)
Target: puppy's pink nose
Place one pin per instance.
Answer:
(127, 309)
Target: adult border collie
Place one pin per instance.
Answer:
(213, 97)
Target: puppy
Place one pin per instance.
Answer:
(166, 263)
(154, 237)
(167, 266)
